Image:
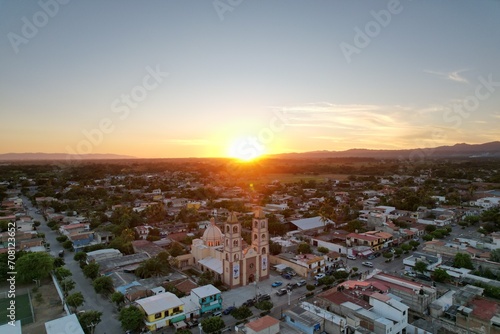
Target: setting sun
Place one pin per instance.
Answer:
(246, 149)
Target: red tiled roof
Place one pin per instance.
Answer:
(262, 323)
(483, 308)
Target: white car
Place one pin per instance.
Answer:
(319, 276)
(351, 257)
(367, 264)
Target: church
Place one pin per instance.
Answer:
(228, 257)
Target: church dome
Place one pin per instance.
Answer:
(212, 235)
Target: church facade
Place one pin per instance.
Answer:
(226, 254)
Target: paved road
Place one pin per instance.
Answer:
(109, 323)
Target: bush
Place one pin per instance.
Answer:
(310, 287)
(264, 305)
(62, 238)
(242, 312)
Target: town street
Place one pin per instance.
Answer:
(109, 321)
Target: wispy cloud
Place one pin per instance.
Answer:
(188, 142)
(453, 76)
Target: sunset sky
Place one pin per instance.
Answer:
(209, 78)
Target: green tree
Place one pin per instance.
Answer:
(440, 275)
(304, 248)
(67, 285)
(241, 312)
(131, 318)
(33, 266)
(406, 248)
(420, 267)
(183, 331)
(68, 244)
(264, 305)
(59, 262)
(91, 270)
(61, 273)
(176, 249)
(103, 284)
(327, 280)
(414, 244)
(495, 255)
(355, 225)
(430, 228)
(152, 267)
(310, 287)
(212, 325)
(118, 298)
(62, 238)
(323, 250)
(80, 256)
(75, 300)
(89, 319)
(463, 260)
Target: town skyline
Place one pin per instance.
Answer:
(175, 80)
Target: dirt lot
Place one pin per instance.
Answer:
(46, 308)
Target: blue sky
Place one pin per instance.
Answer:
(424, 76)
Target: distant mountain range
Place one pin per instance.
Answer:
(462, 150)
(60, 156)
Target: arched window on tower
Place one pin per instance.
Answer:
(235, 243)
(227, 228)
(256, 224)
(264, 250)
(235, 229)
(263, 224)
(227, 257)
(255, 237)
(227, 242)
(235, 257)
(263, 236)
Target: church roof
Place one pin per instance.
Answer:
(260, 214)
(212, 233)
(232, 218)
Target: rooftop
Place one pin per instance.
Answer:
(262, 323)
(163, 301)
(205, 291)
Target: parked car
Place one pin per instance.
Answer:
(319, 276)
(370, 257)
(193, 323)
(264, 297)
(351, 257)
(281, 292)
(229, 310)
(301, 282)
(61, 253)
(287, 276)
(249, 302)
(376, 254)
(367, 264)
(291, 286)
(217, 314)
(291, 272)
(277, 283)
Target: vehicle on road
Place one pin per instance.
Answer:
(193, 323)
(376, 254)
(217, 314)
(276, 284)
(301, 282)
(249, 302)
(291, 286)
(319, 276)
(351, 257)
(281, 292)
(423, 277)
(367, 264)
(264, 297)
(229, 310)
(287, 276)
(370, 257)
(61, 253)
